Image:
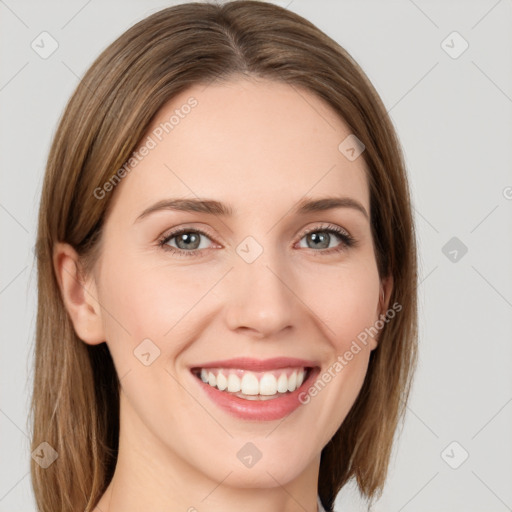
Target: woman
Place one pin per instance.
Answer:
(226, 273)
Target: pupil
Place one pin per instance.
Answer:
(321, 238)
(188, 239)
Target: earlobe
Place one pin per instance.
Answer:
(79, 294)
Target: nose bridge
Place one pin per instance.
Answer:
(260, 298)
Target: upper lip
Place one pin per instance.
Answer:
(258, 365)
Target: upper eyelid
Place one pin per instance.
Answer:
(168, 235)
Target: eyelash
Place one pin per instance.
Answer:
(347, 241)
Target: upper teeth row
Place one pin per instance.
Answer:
(268, 384)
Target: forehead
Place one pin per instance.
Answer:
(243, 142)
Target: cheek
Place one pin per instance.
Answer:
(346, 301)
(145, 314)
(148, 302)
(347, 309)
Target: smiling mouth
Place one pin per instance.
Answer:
(251, 385)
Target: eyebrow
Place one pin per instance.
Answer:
(218, 209)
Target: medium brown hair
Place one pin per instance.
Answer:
(75, 402)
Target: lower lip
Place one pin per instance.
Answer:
(258, 410)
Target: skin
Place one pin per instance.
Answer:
(177, 448)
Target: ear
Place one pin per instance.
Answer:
(386, 287)
(79, 294)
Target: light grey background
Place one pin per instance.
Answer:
(454, 119)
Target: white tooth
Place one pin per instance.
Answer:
(222, 382)
(233, 383)
(300, 377)
(250, 385)
(292, 381)
(282, 383)
(268, 384)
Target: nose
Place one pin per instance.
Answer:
(261, 298)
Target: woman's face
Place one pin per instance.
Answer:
(247, 284)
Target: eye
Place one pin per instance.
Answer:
(322, 236)
(188, 241)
